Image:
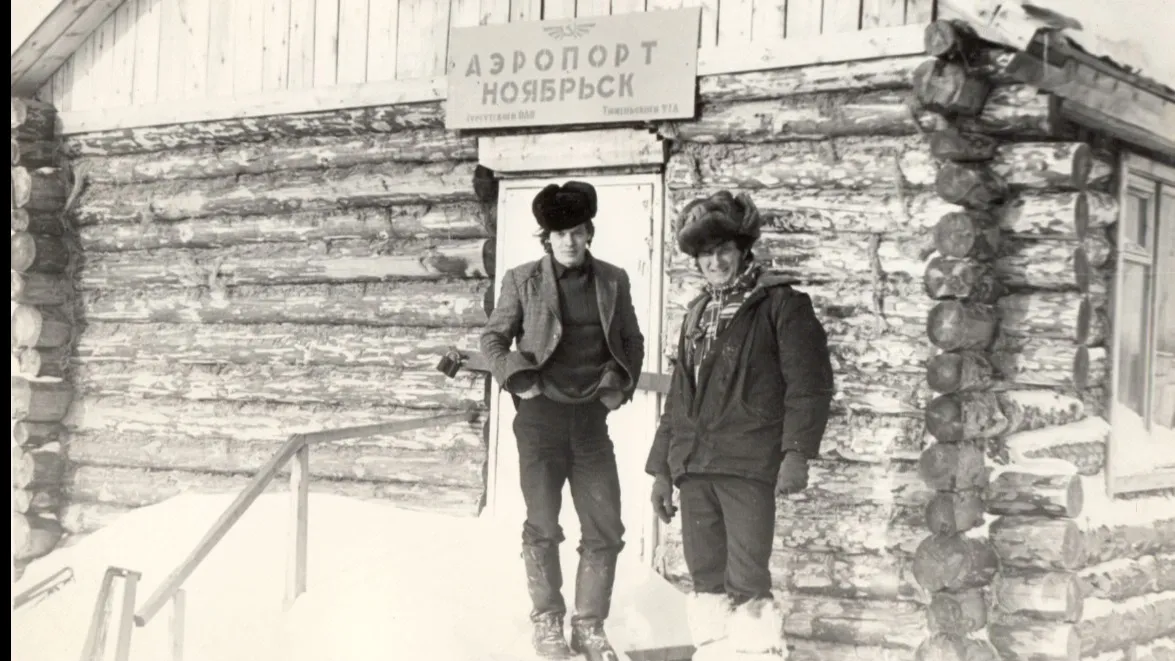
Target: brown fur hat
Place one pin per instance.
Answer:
(720, 217)
(558, 208)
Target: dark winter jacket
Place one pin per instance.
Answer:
(528, 310)
(764, 388)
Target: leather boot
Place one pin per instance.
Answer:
(593, 602)
(544, 582)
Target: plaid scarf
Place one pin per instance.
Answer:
(723, 302)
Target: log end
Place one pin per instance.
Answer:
(944, 416)
(23, 250)
(1082, 165)
(27, 324)
(1084, 321)
(1081, 367)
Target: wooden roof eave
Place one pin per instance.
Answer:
(1091, 91)
(48, 35)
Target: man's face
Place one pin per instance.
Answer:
(720, 264)
(569, 247)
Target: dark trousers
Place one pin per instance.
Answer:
(728, 529)
(559, 443)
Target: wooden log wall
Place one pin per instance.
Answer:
(244, 281)
(1020, 287)
(43, 255)
(833, 158)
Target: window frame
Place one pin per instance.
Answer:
(1156, 177)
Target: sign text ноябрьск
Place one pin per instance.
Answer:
(627, 68)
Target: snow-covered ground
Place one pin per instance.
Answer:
(383, 583)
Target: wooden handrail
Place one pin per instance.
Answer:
(475, 361)
(170, 585)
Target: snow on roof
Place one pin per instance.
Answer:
(1130, 34)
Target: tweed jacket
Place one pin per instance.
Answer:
(528, 311)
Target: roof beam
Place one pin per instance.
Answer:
(48, 34)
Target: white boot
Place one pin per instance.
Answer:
(756, 628)
(707, 614)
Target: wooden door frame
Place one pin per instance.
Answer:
(600, 167)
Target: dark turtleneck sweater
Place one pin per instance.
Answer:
(572, 375)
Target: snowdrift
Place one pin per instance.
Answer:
(384, 583)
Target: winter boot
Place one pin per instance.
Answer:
(756, 627)
(588, 638)
(544, 582)
(707, 614)
(593, 601)
(547, 637)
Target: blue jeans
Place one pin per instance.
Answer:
(559, 443)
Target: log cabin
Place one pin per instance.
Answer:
(235, 221)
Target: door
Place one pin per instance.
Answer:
(628, 222)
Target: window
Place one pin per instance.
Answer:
(1142, 411)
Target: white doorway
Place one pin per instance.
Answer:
(628, 230)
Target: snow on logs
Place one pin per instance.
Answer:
(462, 220)
(373, 184)
(41, 331)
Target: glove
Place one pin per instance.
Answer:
(793, 474)
(663, 498)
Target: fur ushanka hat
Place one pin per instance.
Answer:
(720, 217)
(558, 208)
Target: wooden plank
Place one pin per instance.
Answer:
(436, 59)
(532, 10)
(580, 149)
(840, 16)
(35, 13)
(275, 45)
(467, 13)
(152, 65)
(919, 11)
(655, 5)
(374, 30)
(622, 7)
(301, 58)
(61, 38)
(804, 18)
(769, 19)
(554, 10)
(735, 19)
(123, 53)
(709, 33)
(247, 35)
(219, 78)
(796, 52)
(326, 42)
(882, 13)
(102, 69)
(83, 62)
(63, 86)
(173, 31)
(411, 43)
(279, 102)
(197, 16)
(494, 12)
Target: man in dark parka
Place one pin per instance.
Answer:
(578, 356)
(747, 408)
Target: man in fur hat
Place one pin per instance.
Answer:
(747, 408)
(578, 357)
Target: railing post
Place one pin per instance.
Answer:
(300, 490)
(177, 626)
(126, 620)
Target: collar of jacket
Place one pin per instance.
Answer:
(766, 281)
(605, 281)
(561, 270)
